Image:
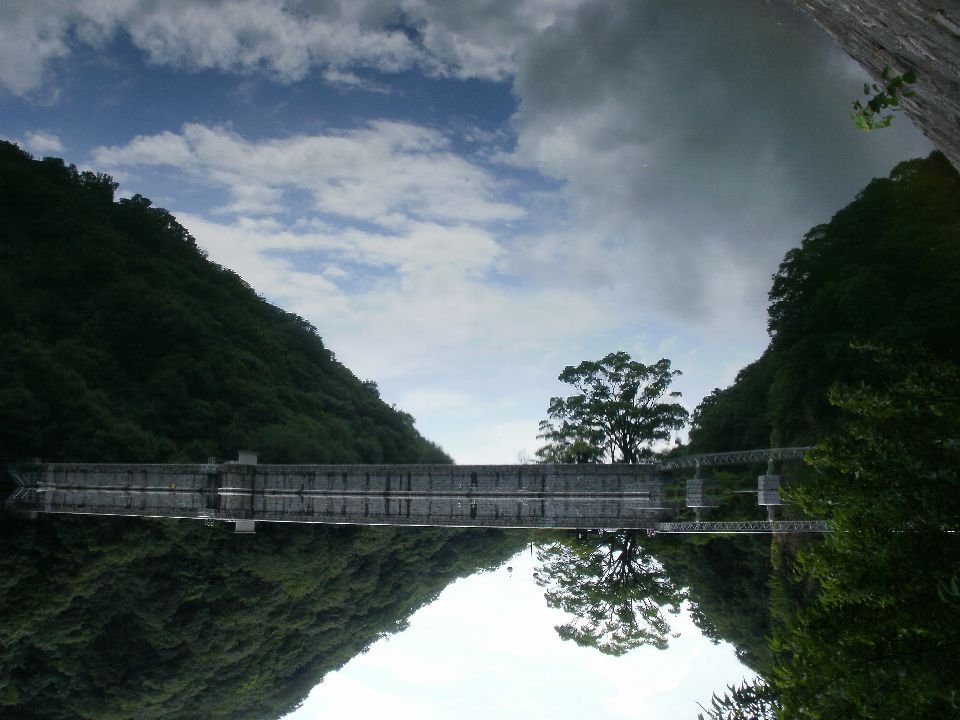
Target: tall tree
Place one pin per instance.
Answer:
(619, 411)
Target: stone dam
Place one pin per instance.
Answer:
(549, 496)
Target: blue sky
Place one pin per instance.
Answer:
(464, 197)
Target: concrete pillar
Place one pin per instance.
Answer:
(768, 490)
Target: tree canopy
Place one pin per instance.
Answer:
(863, 360)
(118, 618)
(122, 342)
(620, 410)
(615, 591)
(884, 270)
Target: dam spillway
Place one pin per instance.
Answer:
(527, 496)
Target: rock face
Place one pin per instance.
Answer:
(922, 35)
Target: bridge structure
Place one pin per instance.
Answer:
(244, 492)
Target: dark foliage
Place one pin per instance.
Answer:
(865, 344)
(880, 638)
(123, 343)
(106, 618)
(884, 270)
(615, 591)
(736, 418)
(726, 580)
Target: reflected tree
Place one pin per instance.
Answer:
(617, 593)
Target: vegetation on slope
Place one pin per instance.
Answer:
(863, 358)
(885, 270)
(120, 618)
(123, 343)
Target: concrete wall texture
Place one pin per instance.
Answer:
(495, 479)
(461, 496)
(919, 35)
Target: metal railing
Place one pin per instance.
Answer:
(746, 526)
(737, 457)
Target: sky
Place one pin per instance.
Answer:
(487, 648)
(466, 196)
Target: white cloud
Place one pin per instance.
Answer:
(351, 81)
(284, 39)
(42, 143)
(31, 36)
(385, 172)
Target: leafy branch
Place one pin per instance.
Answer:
(874, 115)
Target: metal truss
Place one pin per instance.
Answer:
(746, 526)
(738, 457)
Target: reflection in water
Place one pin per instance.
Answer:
(117, 618)
(487, 649)
(614, 589)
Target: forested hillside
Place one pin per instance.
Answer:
(117, 618)
(885, 270)
(864, 361)
(123, 343)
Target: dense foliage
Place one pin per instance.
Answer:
(620, 409)
(123, 343)
(880, 638)
(128, 618)
(864, 352)
(614, 590)
(884, 270)
(620, 589)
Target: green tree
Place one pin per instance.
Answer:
(616, 592)
(737, 417)
(880, 638)
(620, 410)
(568, 443)
(750, 700)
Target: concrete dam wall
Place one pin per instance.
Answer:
(531, 496)
(347, 479)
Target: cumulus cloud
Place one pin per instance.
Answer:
(42, 143)
(384, 173)
(283, 39)
(423, 314)
(697, 143)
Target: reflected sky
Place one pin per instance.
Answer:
(487, 648)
